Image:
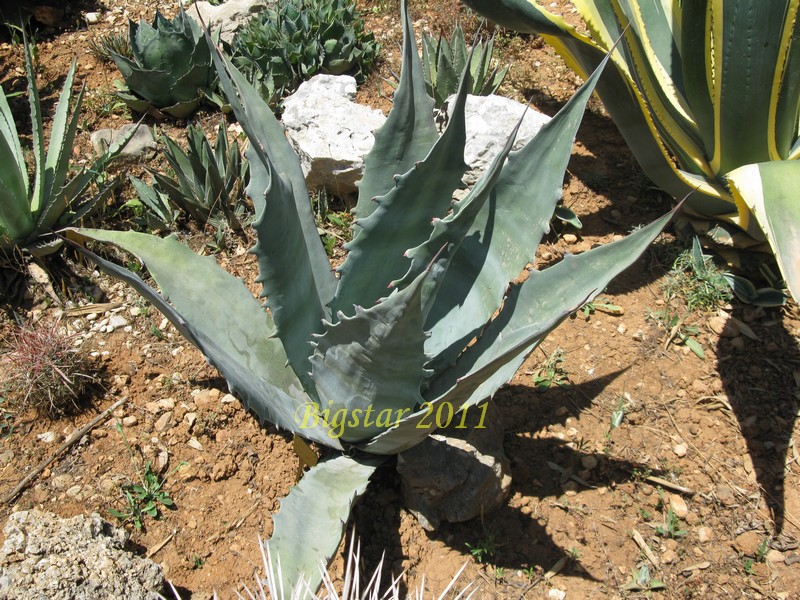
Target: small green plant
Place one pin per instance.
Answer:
(697, 281)
(209, 183)
(43, 369)
(642, 581)
(335, 227)
(444, 60)
(603, 305)
(289, 43)
(170, 70)
(747, 565)
(671, 527)
(552, 372)
(574, 553)
(677, 329)
(197, 562)
(618, 414)
(646, 514)
(143, 499)
(31, 209)
(761, 551)
(485, 548)
(104, 46)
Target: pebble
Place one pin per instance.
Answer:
(48, 437)
(680, 450)
(74, 491)
(589, 462)
(570, 238)
(6, 457)
(130, 421)
(228, 399)
(92, 18)
(556, 594)
(748, 543)
(678, 505)
(775, 556)
(135, 311)
(166, 403)
(63, 481)
(669, 557)
(164, 422)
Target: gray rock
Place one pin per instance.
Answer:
(489, 121)
(330, 132)
(139, 145)
(47, 557)
(228, 16)
(457, 474)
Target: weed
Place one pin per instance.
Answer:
(697, 280)
(156, 332)
(601, 304)
(671, 527)
(44, 369)
(197, 562)
(553, 372)
(618, 414)
(761, 551)
(677, 330)
(485, 548)
(642, 581)
(574, 553)
(143, 499)
(104, 45)
(499, 573)
(747, 564)
(646, 514)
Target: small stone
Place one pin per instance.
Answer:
(678, 505)
(774, 556)
(717, 324)
(74, 491)
(570, 238)
(6, 457)
(589, 462)
(669, 557)
(190, 418)
(621, 328)
(130, 421)
(166, 403)
(63, 481)
(207, 396)
(738, 343)
(121, 380)
(704, 534)
(725, 495)
(48, 437)
(135, 311)
(556, 594)
(228, 399)
(164, 422)
(748, 543)
(92, 18)
(680, 450)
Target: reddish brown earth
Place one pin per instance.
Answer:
(721, 429)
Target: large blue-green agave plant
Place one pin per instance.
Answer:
(422, 309)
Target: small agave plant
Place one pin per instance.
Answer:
(421, 320)
(31, 209)
(170, 70)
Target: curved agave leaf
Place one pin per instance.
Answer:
(530, 311)
(372, 364)
(284, 223)
(228, 325)
(310, 524)
(403, 216)
(769, 190)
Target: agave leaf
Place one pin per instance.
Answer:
(506, 232)
(270, 152)
(408, 133)
(310, 524)
(16, 221)
(217, 313)
(372, 364)
(769, 190)
(531, 310)
(37, 130)
(403, 216)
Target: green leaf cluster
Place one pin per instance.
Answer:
(31, 208)
(170, 69)
(283, 46)
(209, 183)
(444, 60)
(422, 314)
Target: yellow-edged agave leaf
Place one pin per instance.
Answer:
(697, 88)
(769, 190)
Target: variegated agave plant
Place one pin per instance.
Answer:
(707, 96)
(422, 310)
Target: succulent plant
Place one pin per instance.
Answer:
(422, 319)
(171, 67)
(707, 101)
(444, 60)
(209, 183)
(31, 210)
(282, 46)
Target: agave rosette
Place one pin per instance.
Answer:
(422, 310)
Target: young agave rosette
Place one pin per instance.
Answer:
(422, 312)
(171, 67)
